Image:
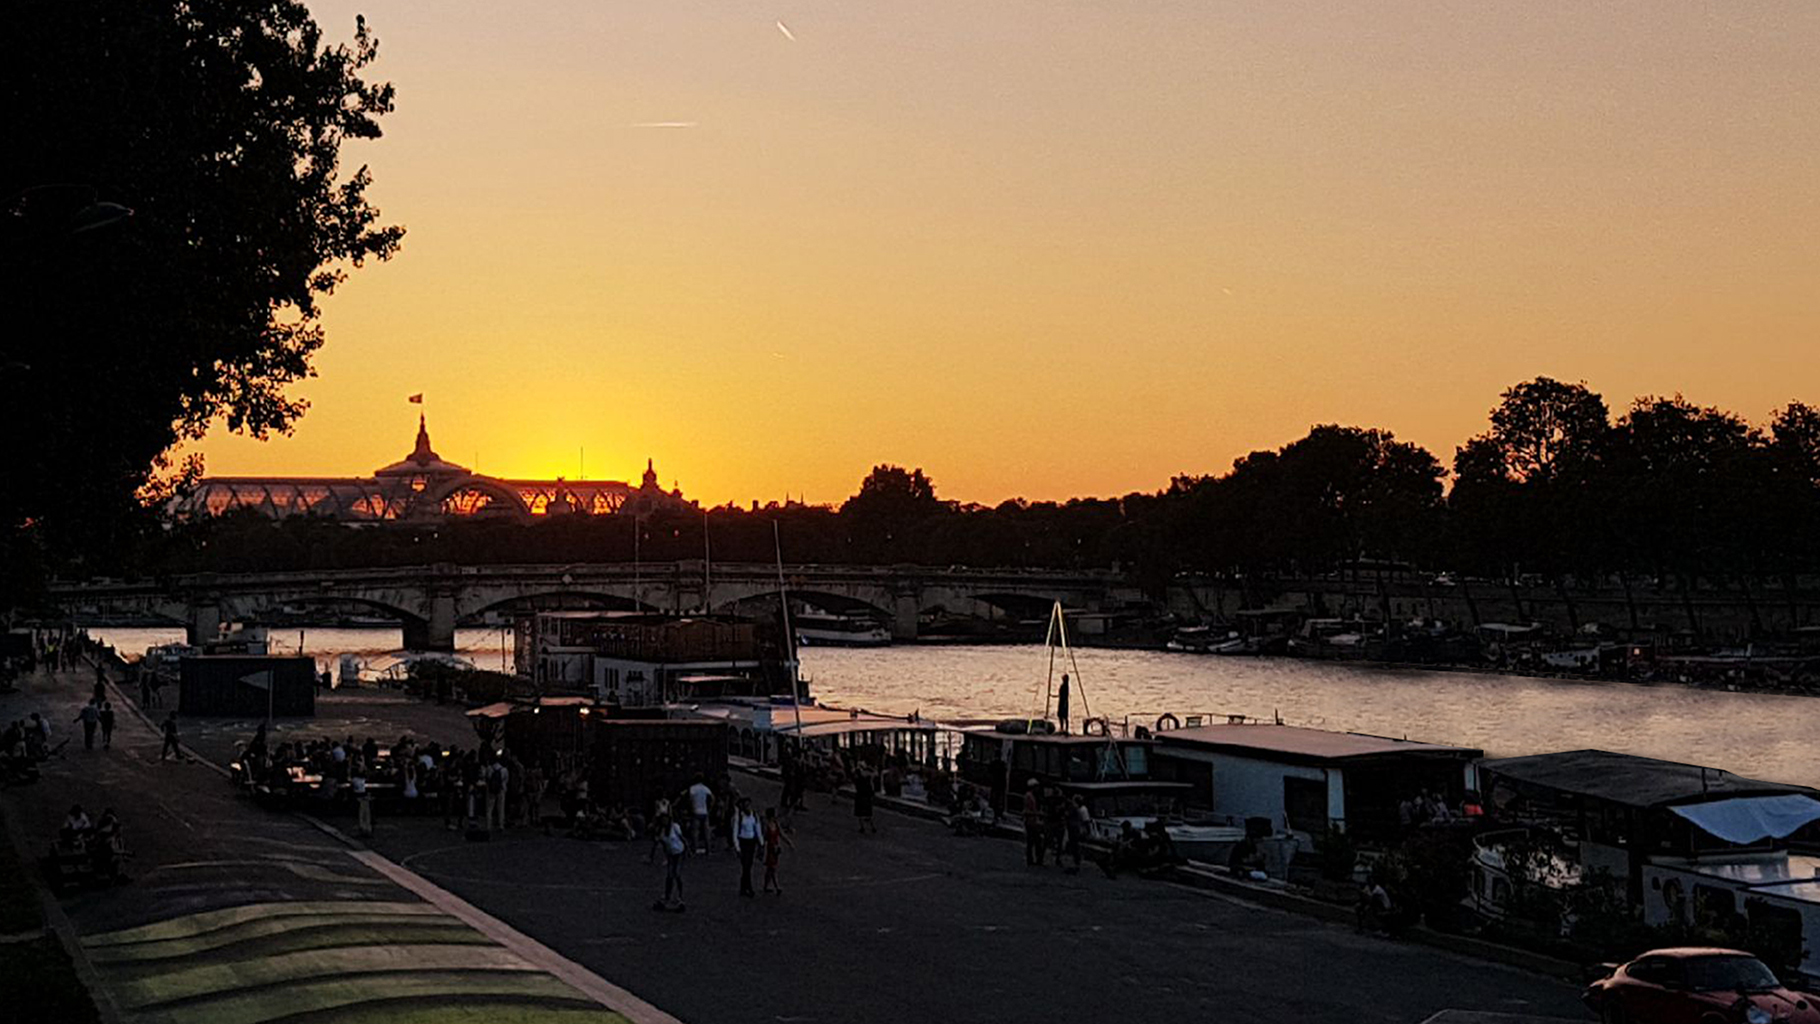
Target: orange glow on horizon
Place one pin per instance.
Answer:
(1048, 250)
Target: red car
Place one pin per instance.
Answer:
(1697, 986)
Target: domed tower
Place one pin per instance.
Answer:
(423, 469)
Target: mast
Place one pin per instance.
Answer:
(783, 599)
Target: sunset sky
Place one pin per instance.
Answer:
(1054, 249)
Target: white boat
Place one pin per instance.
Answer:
(826, 629)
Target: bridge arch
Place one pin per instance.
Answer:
(567, 599)
(836, 604)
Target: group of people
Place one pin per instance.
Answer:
(97, 715)
(100, 844)
(24, 743)
(746, 834)
(1428, 808)
(482, 790)
(1053, 823)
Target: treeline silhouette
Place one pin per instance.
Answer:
(1555, 487)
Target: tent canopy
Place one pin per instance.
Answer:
(1749, 819)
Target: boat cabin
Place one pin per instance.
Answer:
(1622, 813)
(1004, 757)
(637, 659)
(758, 730)
(1306, 781)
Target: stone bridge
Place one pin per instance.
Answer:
(430, 601)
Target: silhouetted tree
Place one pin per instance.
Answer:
(220, 125)
(1523, 491)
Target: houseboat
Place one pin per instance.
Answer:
(827, 629)
(1304, 781)
(1683, 843)
(637, 659)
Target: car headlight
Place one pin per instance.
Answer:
(1757, 1015)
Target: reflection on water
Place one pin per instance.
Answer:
(1761, 735)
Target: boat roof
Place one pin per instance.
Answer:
(1107, 787)
(1631, 780)
(815, 719)
(1298, 742)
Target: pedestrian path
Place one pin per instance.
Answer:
(238, 916)
(325, 961)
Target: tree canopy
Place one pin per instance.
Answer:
(220, 125)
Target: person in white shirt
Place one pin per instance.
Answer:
(749, 835)
(363, 804)
(701, 801)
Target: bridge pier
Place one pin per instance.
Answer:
(437, 633)
(204, 624)
(903, 617)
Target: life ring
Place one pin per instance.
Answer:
(1094, 727)
(1166, 717)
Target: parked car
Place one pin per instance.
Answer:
(1696, 986)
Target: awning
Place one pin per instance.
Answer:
(1748, 819)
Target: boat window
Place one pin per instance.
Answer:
(1305, 804)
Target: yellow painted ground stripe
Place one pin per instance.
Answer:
(210, 920)
(322, 994)
(290, 934)
(208, 979)
(468, 1010)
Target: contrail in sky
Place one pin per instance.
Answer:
(785, 29)
(665, 124)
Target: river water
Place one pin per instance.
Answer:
(1765, 736)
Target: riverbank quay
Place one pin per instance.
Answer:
(912, 923)
(915, 923)
(232, 914)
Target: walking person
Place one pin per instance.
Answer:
(106, 717)
(862, 798)
(90, 717)
(774, 838)
(363, 801)
(1033, 825)
(499, 777)
(170, 748)
(670, 837)
(701, 801)
(750, 836)
(1079, 821)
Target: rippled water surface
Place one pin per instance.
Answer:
(1761, 735)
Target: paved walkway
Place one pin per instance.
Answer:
(238, 915)
(910, 924)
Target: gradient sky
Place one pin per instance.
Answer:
(1055, 249)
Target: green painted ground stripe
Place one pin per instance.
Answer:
(210, 920)
(467, 1011)
(290, 934)
(209, 979)
(309, 997)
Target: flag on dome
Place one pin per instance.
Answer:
(416, 399)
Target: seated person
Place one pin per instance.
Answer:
(108, 845)
(76, 829)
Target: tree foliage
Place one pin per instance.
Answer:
(1671, 490)
(220, 124)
